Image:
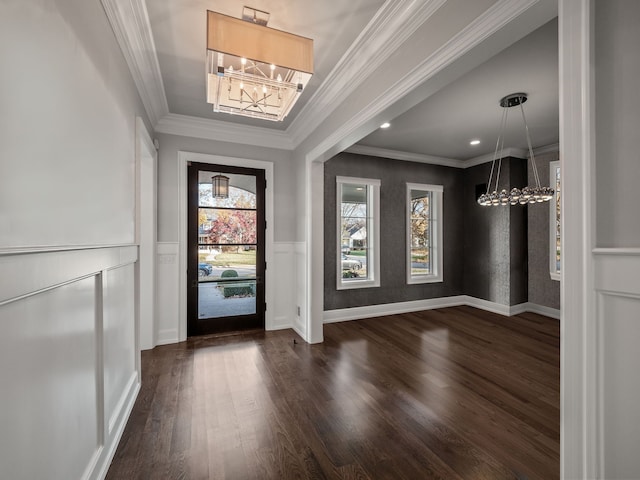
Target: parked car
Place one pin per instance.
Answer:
(345, 249)
(350, 264)
(204, 269)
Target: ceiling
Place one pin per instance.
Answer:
(468, 108)
(164, 43)
(179, 29)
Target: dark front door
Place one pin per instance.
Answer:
(226, 249)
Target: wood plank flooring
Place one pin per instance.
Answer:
(455, 393)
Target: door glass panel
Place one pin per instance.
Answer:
(226, 226)
(227, 247)
(226, 299)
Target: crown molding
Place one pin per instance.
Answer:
(444, 161)
(129, 21)
(406, 156)
(476, 32)
(551, 148)
(512, 152)
(396, 21)
(507, 152)
(209, 129)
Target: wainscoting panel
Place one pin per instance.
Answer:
(617, 330)
(285, 286)
(118, 340)
(48, 375)
(168, 294)
(69, 365)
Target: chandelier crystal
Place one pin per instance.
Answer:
(529, 194)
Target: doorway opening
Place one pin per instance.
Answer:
(226, 250)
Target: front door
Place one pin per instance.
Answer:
(226, 249)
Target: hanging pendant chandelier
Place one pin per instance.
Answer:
(529, 194)
(220, 186)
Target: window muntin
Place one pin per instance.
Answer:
(358, 256)
(554, 222)
(424, 233)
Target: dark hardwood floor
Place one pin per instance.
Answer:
(455, 393)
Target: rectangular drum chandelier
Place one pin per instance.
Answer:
(254, 70)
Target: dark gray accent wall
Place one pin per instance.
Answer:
(542, 289)
(499, 254)
(495, 239)
(394, 175)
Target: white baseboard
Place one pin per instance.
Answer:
(494, 307)
(167, 336)
(280, 323)
(355, 313)
(369, 311)
(542, 310)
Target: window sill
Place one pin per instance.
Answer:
(425, 279)
(357, 284)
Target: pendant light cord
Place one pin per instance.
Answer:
(531, 156)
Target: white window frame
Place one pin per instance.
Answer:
(554, 271)
(437, 245)
(373, 234)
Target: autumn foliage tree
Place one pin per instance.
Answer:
(233, 227)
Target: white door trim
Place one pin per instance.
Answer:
(578, 344)
(146, 236)
(183, 159)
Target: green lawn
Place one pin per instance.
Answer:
(230, 258)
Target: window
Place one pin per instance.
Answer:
(554, 223)
(358, 252)
(424, 233)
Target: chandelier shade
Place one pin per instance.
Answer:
(254, 70)
(516, 196)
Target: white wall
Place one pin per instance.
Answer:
(67, 127)
(617, 69)
(69, 362)
(617, 269)
(284, 188)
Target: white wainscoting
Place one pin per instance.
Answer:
(300, 293)
(285, 285)
(69, 362)
(168, 294)
(616, 335)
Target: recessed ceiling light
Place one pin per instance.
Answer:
(385, 125)
(474, 142)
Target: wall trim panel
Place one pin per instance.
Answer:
(617, 289)
(49, 296)
(57, 267)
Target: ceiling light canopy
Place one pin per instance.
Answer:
(254, 70)
(529, 194)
